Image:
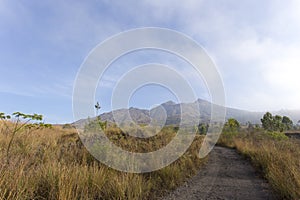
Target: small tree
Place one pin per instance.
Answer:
(230, 131)
(21, 121)
(97, 106)
(203, 128)
(232, 125)
(267, 121)
(277, 123)
(287, 122)
(94, 125)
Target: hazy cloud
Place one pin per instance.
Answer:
(255, 44)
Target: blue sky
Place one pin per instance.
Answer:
(255, 44)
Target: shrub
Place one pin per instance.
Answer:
(276, 135)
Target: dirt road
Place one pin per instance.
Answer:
(227, 175)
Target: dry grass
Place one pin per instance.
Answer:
(53, 164)
(276, 156)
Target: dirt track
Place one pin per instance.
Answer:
(227, 175)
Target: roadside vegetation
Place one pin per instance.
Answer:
(51, 163)
(39, 161)
(270, 150)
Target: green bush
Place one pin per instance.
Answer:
(277, 135)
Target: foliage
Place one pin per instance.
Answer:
(288, 123)
(202, 128)
(97, 107)
(267, 122)
(277, 135)
(276, 123)
(230, 130)
(232, 125)
(95, 125)
(18, 125)
(68, 126)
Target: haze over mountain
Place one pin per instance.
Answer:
(170, 113)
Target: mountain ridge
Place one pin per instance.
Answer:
(170, 112)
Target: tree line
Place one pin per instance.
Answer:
(268, 122)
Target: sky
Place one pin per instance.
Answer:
(255, 45)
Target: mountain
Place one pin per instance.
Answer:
(170, 113)
(293, 114)
(140, 116)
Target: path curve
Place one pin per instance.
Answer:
(227, 175)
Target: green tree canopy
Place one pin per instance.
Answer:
(232, 125)
(267, 121)
(203, 128)
(276, 123)
(287, 122)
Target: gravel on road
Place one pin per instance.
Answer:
(227, 175)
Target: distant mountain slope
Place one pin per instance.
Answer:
(170, 112)
(293, 114)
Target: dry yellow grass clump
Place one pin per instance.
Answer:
(277, 156)
(53, 164)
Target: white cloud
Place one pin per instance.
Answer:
(259, 60)
(282, 74)
(256, 44)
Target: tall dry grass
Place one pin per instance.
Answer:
(53, 164)
(277, 156)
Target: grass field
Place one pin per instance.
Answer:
(277, 156)
(53, 164)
